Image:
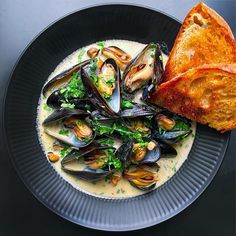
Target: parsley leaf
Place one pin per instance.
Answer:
(181, 125)
(101, 44)
(64, 132)
(64, 151)
(46, 107)
(81, 53)
(126, 104)
(74, 89)
(107, 141)
(68, 105)
(107, 97)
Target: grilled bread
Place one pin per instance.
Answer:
(206, 94)
(204, 38)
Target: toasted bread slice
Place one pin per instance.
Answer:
(206, 94)
(204, 38)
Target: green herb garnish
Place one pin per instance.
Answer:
(101, 44)
(112, 160)
(87, 139)
(126, 104)
(81, 54)
(74, 89)
(107, 97)
(64, 132)
(68, 105)
(108, 142)
(181, 125)
(46, 107)
(64, 151)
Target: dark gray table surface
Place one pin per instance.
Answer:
(213, 213)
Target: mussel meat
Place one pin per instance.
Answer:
(141, 178)
(145, 153)
(122, 58)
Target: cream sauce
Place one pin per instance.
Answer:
(168, 166)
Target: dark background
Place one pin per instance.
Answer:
(213, 213)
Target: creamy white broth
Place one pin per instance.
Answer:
(168, 166)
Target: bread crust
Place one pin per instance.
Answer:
(181, 58)
(206, 94)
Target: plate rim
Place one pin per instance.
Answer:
(6, 140)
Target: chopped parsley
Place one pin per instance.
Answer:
(107, 141)
(64, 151)
(68, 105)
(87, 139)
(74, 89)
(118, 127)
(109, 81)
(101, 44)
(143, 144)
(81, 54)
(153, 45)
(181, 125)
(64, 132)
(112, 160)
(107, 97)
(79, 122)
(46, 107)
(127, 104)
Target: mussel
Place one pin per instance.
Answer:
(122, 58)
(131, 152)
(141, 178)
(73, 131)
(104, 84)
(96, 159)
(145, 67)
(62, 79)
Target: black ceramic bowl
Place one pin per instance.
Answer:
(37, 62)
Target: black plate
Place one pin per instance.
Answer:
(37, 62)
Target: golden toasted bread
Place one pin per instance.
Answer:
(204, 38)
(206, 94)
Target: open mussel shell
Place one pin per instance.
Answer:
(121, 57)
(70, 139)
(172, 137)
(61, 79)
(75, 154)
(113, 105)
(146, 66)
(63, 113)
(85, 173)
